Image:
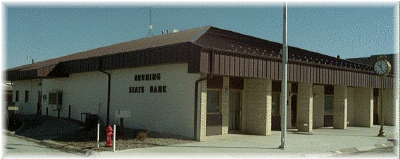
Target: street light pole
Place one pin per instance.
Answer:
(284, 79)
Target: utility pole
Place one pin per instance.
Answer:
(284, 79)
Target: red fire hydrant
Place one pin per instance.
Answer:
(110, 134)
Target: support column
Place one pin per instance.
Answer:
(202, 109)
(350, 106)
(318, 106)
(258, 103)
(304, 107)
(363, 107)
(388, 106)
(225, 106)
(340, 107)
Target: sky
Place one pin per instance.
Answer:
(45, 31)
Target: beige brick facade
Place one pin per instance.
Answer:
(202, 109)
(388, 106)
(225, 106)
(257, 102)
(340, 107)
(350, 106)
(363, 107)
(304, 107)
(318, 106)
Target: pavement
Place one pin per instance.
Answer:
(16, 147)
(322, 142)
(52, 144)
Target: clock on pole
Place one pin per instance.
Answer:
(382, 68)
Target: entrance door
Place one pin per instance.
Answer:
(234, 111)
(328, 111)
(294, 109)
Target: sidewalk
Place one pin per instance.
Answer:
(325, 142)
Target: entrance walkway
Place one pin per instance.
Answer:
(320, 143)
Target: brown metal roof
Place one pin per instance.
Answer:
(206, 37)
(144, 43)
(235, 54)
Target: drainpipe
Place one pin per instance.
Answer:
(108, 96)
(196, 91)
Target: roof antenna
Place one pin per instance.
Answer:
(29, 57)
(150, 33)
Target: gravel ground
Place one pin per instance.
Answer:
(72, 132)
(128, 143)
(87, 140)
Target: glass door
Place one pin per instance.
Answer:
(234, 111)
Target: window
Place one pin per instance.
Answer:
(276, 103)
(328, 109)
(16, 96)
(213, 101)
(26, 96)
(55, 98)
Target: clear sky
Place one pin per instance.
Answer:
(50, 31)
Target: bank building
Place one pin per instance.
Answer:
(203, 82)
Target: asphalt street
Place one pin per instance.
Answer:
(20, 148)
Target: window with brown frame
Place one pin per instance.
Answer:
(213, 101)
(328, 108)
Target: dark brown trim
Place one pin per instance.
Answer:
(236, 83)
(254, 68)
(176, 53)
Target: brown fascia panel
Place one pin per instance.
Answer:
(176, 53)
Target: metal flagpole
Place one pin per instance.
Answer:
(284, 79)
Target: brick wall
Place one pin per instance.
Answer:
(318, 105)
(257, 102)
(340, 107)
(388, 106)
(363, 106)
(350, 106)
(305, 107)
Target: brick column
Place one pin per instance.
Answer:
(258, 102)
(340, 107)
(363, 107)
(304, 107)
(350, 106)
(388, 106)
(318, 106)
(225, 106)
(202, 106)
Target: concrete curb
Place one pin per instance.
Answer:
(360, 149)
(54, 145)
